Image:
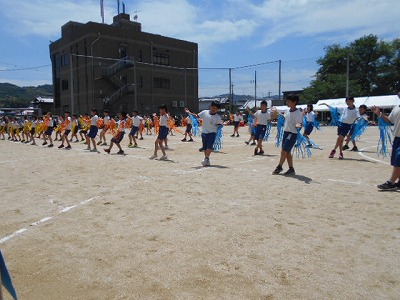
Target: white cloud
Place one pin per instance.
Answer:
(350, 19)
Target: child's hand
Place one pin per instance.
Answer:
(298, 125)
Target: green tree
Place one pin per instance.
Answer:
(374, 69)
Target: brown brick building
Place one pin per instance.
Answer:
(119, 67)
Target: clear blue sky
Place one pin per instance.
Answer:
(230, 33)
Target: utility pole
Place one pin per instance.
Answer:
(135, 83)
(280, 79)
(230, 90)
(347, 74)
(71, 74)
(255, 89)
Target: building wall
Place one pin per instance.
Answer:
(155, 70)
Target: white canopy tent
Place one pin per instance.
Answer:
(380, 101)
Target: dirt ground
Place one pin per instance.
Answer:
(79, 225)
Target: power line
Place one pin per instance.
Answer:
(24, 69)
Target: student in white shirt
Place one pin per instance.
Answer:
(309, 126)
(211, 121)
(348, 116)
(136, 120)
(363, 115)
(394, 117)
(90, 137)
(237, 118)
(293, 121)
(188, 131)
(262, 117)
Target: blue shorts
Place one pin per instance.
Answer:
(118, 138)
(188, 128)
(236, 124)
(253, 130)
(208, 140)
(343, 129)
(288, 141)
(134, 130)
(66, 132)
(49, 131)
(395, 158)
(93, 131)
(163, 133)
(308, 128)
(260, 132)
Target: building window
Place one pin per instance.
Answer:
(141, 81)
(140, 55)
(161, 59)
(64, 85)
(181, 103)
(161, 83)
(64, 60)
(174, 104)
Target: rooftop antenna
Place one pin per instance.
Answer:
(123, 7)
(118, 5)
(102, 10)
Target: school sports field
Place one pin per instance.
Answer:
(81, 225)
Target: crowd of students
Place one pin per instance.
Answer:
(68, 127)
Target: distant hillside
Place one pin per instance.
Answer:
(12, 95)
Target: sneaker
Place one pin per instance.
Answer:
(261, 152)
(232, 135)
(206, 162)
(141, 138)
(130, 145)
(253, 143)
(121, 152)
(94, 150)
(98, 143)
(246, 142)
(166, 147)
(387, 186)
(61, 146)
(88, 148)
(44, 143)
(50, 146)
(291, 171)
(153, 156)
(355, 149)
(277, 170)
(397, 184)
(345, 147)
(107, 151)
(341, 155)
(256, 151)
(201, 149)
(191, 140)
(332, 154)
(183, 140)
(104, 144)
(134, 145)
(68, 147)
(237, 135)
(164, 157)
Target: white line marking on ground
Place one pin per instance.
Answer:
(6, 238)
(370, 158)
(344, 181)
(34, 224)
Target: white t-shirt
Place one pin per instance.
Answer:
(93, 120)
(237, 118)
(348, 116)
(210, 122)
(136, 121)
(262, 118)
(106, 119)
(121, 125)
(69, 125)
(310, 117)
(189, 120)
(50, 122)
(164, 120)
(394, 117)
(291, 119)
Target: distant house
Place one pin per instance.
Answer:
(40, 106)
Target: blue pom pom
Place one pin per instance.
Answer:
(279, 134)
(218, 139)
